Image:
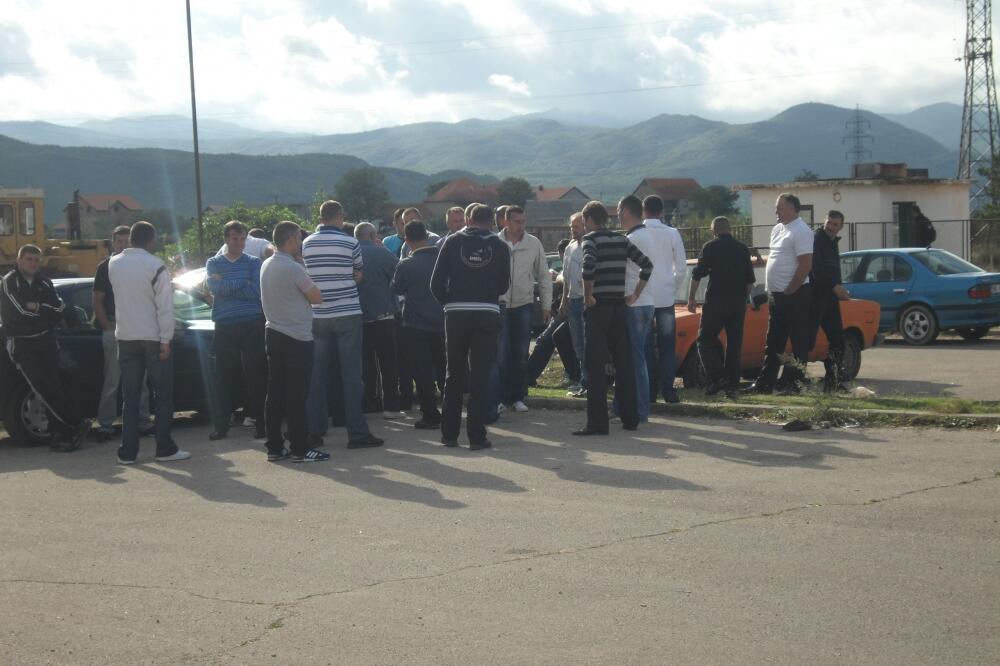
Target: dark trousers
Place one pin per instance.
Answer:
(555, 337)
(38, 361)
(289, 369)
(380, 366)
(607, 330)
(138, 359)
(471, 343)
(426, 352)
(404, 368)
(719, 314)
(825, 312)
(239, 345)
(787, 319)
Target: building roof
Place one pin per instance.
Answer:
(556, 193)
(103, 202)
(462, 190)
(671, 189)
(841, 182)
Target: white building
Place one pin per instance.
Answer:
(878, 206)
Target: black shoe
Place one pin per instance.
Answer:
(105, 435)
(216, 435)
(260, 432)
(630, 427)
(713, 387)
(479, 446)
(312, 455)
(759, 389)
(427, 425)
(588, 431)
(672, 398)
(450, 443)
(789, 389)
(368, 442)
(278, 457)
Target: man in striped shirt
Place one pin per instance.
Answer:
(333, 261)
(234, 280)
(605, 257)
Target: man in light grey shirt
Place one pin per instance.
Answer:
(287, 295)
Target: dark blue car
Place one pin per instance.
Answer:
(82, 359)
(924, 291)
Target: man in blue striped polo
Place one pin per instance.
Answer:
(333, 261)
(234, 280)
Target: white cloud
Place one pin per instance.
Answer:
(508, 83)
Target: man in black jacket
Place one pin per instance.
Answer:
(30, 309)
(826, 296)
(471, 273)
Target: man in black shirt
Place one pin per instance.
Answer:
(726, 262)
(827, 294)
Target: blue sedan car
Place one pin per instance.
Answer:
(924, 291)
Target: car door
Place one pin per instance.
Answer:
(887, 279)
(755, 324)
(80, 345)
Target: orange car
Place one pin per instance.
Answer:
(860, 331)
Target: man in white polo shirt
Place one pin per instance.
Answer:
(788, 298)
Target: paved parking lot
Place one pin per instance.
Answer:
(689, 541)
(950, 366)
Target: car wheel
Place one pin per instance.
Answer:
(918, 325)
(975, 333)
(852, 355)
(693, 372)
(25, 417)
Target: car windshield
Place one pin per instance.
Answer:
(942, 262)
(191, 305)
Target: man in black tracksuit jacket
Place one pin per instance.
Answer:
(471, 273)
(30, 309)
(827, 292)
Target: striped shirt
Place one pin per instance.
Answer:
(331, 257)
(605, 256)
(235, 287)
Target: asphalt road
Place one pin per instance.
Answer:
(689, 541)
(950, 366)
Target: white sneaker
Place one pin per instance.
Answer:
(249, 422)
(519, 406)
(179, 455)
(501, 408)
(573, 389)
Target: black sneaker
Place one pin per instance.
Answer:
(450, 443)
(312, 455)
(72, 439)
(479, 446)
(368, 442)
(277, 457)
(216, 435)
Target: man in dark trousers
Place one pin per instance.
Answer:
(423, 319)
(726, 263)
(471, 273)
(605, 255)
(827, 292)
(30, 309)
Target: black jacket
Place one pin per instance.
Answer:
(18, 320)
(472, 271)
(826, 261)
(413, 281)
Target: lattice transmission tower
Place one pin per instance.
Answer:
(980, 119)
(857, 137)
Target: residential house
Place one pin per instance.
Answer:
(459, 192)
(547, 215)
(100, 213)
(675, 192)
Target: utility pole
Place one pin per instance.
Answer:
(194, 127)
(857, 128)
(980, 119)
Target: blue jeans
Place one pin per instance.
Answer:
(138, 359)
(666, 369)
(574, 316)
(640, 322)
(509, 378)
(345, 333)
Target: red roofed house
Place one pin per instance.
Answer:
(459, 192)
(547, 215)
(100, 213)
(675, 192)
(570, 193)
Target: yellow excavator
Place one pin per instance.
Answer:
(22, 215)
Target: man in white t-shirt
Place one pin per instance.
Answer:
(788, 298)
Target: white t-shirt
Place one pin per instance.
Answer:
(669, 263)
(643, 239)
(255, 247)
(788, 243)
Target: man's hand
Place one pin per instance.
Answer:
(164, 351)
(790, 290)
(546, 316)
(104, 324)
(357, 276)
(692, 305)
(31, 306)
(563, 308)
(841, 293)
(630, 299)
(590, 301)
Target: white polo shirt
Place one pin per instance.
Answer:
(788, 243)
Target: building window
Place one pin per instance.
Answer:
(27, 219)
(6, 220)
(806, 213)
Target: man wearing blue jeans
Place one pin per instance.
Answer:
(669, 272)
(333, 261)
(572, 305)
(640, 310)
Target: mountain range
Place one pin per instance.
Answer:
(148, 157)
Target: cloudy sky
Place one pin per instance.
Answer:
(352, 65)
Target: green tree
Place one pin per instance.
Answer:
(318, 198)
(807, 175)
(363, 193)
(714, 200)
(514, 191)
(434, 187)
